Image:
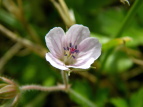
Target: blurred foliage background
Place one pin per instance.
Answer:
(117, 80)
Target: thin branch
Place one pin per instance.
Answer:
(33, 47)
(18, 12)
(57, 6)
(87, 102)
(137, 61)
(15, 101)
(63, 13)
(66, 10)
(9, 54)
(42, 88)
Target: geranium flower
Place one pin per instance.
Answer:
(73, 49)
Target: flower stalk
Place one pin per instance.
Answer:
(65, 79)
(43, 88)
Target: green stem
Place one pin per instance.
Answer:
(124, 24)
(87, 102)
(128, 17)
(65, 78)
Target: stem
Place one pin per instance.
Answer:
(18, 12)
(87, 102)
(42, 88)
(63, 11)
(15, 101)
(27, 43)
(125, 23)
(65, 78)
(9, 54)
(128, 17)
(66, 11)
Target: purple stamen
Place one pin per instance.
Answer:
(67, 48)
(70, 45)
(73, 56)
(76, 51)
(64, 48)
(75, 46)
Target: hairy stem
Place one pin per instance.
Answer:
(42, 88)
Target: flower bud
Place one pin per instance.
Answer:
(8, 89)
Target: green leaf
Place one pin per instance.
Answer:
(117, 61)
(115, 42)
(119, 102)
(136, 99)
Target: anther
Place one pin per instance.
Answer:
(76, 51)
(67, 48)
(70, 45)
(73, 56)
(75, 46)
(64, 48)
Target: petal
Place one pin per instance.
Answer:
(84, 64)
(76, 34)
(87, 53)
(55, 62)
(89, 46)
(54, 41)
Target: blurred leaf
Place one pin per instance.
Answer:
(49, 81)
(110, 20)
(119, 102)
(81, 100)
(8, 19)
(101, 96)
(136, 35)
(115, 42)
(102, 38)
(136, 99)
(29, 73)
(117, 62)
(81, 93)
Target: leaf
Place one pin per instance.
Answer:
(119, 102)
(117, 61)
(136, 99)
(115, 42)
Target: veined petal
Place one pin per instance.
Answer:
(89, 46)
(76, 34)
(89, 51)
(84, 64)
(55, 62)
(54, 41)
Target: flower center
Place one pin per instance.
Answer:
(70, 53)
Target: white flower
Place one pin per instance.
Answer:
(73, 49)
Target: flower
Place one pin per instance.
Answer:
(73, 49)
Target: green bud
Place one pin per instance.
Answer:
(8, 89)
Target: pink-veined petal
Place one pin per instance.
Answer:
(76, 34)
(89, 51)
(84, 64)
(55, 62)
(54, 41)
